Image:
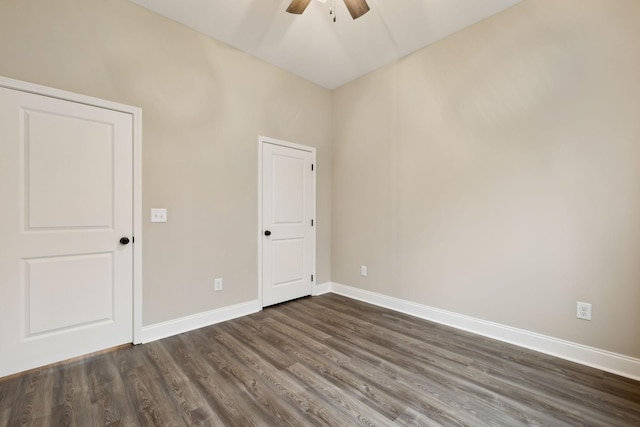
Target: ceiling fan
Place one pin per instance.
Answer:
(357, 8)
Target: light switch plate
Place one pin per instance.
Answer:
(158, 215)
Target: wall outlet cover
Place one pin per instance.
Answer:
(583, 310)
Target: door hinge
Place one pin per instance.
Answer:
(312, 167)
(312, 223)
(312, 277)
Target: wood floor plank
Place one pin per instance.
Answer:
(193, 408)
(225, 398)
(326, 360)
(279, 313)
(245, 330)
(442, 393)
(399, 341)
(502, 360)
(259, 403)
(352, 409)
(150, 397)
(23, 411)
(105, 385)
(412, 418)
(443, 378)
(371, 350)
(335, 367)
(76, 408)
(295, 343)
(305, 408)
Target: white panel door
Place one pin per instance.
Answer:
(288, 202)
(66, 281)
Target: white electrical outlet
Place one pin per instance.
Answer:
(217, 284)
(363, 270)
(583, 310)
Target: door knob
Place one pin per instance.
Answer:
(267, 233)
(124, 240)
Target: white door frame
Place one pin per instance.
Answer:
(266, 140)
(136, 114)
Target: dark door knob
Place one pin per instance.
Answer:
(267, 233)
(124, 240)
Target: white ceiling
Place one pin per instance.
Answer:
(312, 46)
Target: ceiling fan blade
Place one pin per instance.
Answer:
(357, 8)
(298, 6)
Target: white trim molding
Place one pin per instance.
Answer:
(596, 358)
(321, 288)
(200, 320)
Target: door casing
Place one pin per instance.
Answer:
(136, 114)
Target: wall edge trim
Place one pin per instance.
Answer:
(200, 320)
(321, 288)
(604, 360)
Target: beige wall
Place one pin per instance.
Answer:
(204, 106)
(496, 173)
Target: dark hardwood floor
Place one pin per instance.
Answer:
(324, 360)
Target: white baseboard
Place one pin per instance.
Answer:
(321, 288)
(200, 320)
(188, 323)
(601, 359)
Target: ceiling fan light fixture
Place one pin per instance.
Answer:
(298, 6)
(356, 8)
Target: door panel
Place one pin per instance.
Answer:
(53, 146)
(288, 188)
(66, 283)
(53, 292)
(288, 261)
(287, 210)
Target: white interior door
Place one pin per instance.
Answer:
(288, 209)
(66, 280)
